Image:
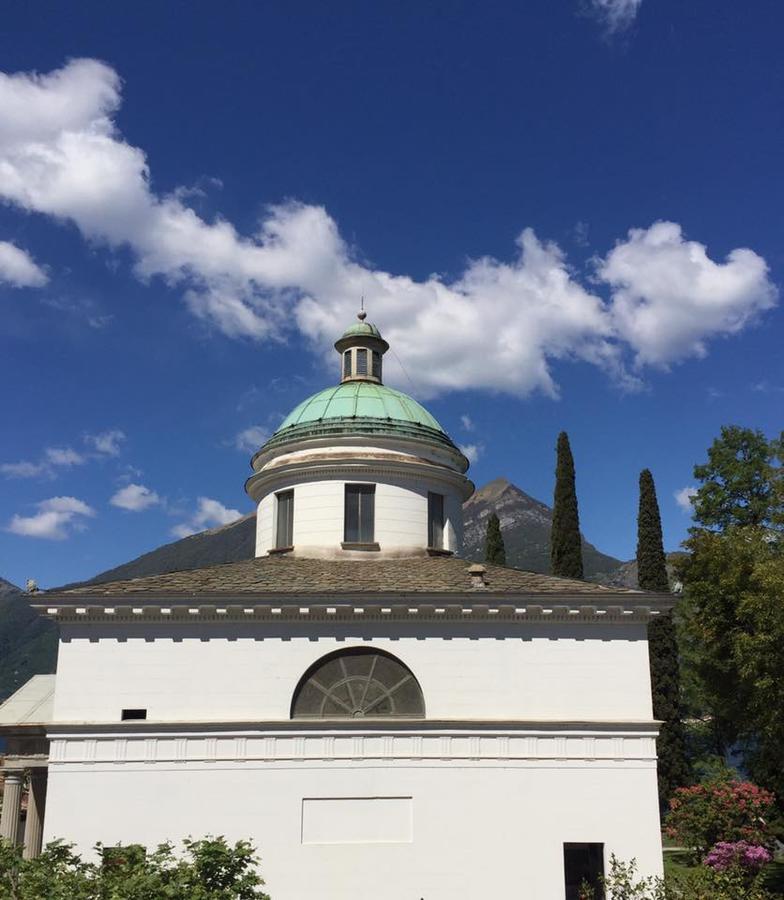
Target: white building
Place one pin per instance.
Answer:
(383, 719)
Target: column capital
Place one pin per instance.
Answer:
(13, 776)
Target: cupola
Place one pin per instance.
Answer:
(359, 469)
(361, 350)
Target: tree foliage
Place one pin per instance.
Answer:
(495, 551)
(672, 767)
(566, 552)
(742, 482)
(208, 869)
(733, 611)
(651, 561)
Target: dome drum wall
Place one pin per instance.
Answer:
(400, 525)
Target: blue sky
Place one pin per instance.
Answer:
(563, 214)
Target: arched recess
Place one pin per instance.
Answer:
(356, 683)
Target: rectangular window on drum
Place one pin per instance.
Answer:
(360, 514)
(347, 364)
(435, 521)
(362, 368)
(583, 863)
(377, 365)
(284, 528)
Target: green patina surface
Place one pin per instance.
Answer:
(359, 400)
(361, 328)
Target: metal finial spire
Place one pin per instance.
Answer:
(362, 315)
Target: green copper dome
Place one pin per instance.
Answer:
(360, 400)
(362, 329)
(359, 407)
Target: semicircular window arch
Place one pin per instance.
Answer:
(361, 682)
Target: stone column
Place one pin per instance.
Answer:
(36, 804)
(12, 805)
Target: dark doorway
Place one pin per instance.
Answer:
(583, 864)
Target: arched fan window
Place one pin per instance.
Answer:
(357, 683)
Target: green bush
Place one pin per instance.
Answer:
(208, 869)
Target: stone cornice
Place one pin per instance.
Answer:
(479, 606)
(359, 466)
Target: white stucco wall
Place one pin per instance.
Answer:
(452, 828)
(248, 671)
(400, 514)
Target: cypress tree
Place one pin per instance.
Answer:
(495, 552)
(673, 769)
(651, 562)
(566, 552)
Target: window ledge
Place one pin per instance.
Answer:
(439, 551)
(359, 545)
(276, 551)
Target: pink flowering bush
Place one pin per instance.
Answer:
(721, 809)
(725, 854)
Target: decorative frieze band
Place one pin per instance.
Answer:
(305, 610)
(173, 748)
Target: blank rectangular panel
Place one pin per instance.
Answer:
(362, 362)
(357, 820)
(583, 863)
(129, 714)
(359, 514)
(435, 520)
(284, 532)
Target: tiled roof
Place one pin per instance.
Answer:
(295, 575)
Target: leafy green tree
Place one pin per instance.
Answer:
(673, 769)
(733, 613)
(734, 620)
(495, 551)
(566, 552)
(742, 481)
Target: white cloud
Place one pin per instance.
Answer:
(616, 15)
(472, 452)
(499, 326)
(209, 514)
(64, 456)
(467, 423)
(684, 498)
(669, 297)
(18, 269)
(106, 443)
(56, 518)
(135, 497)
(52, 459)
(250, 439)
(24, 469)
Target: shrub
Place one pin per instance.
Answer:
(209, 869)
(720, 809)
(725, 854)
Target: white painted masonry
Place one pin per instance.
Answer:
(247, 672)
(400, 520)
(537, 730)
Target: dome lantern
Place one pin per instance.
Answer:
(361, 349)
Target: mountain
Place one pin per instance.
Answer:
(28, 642)
(525, 526)
(228, 543)
(625, 576)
